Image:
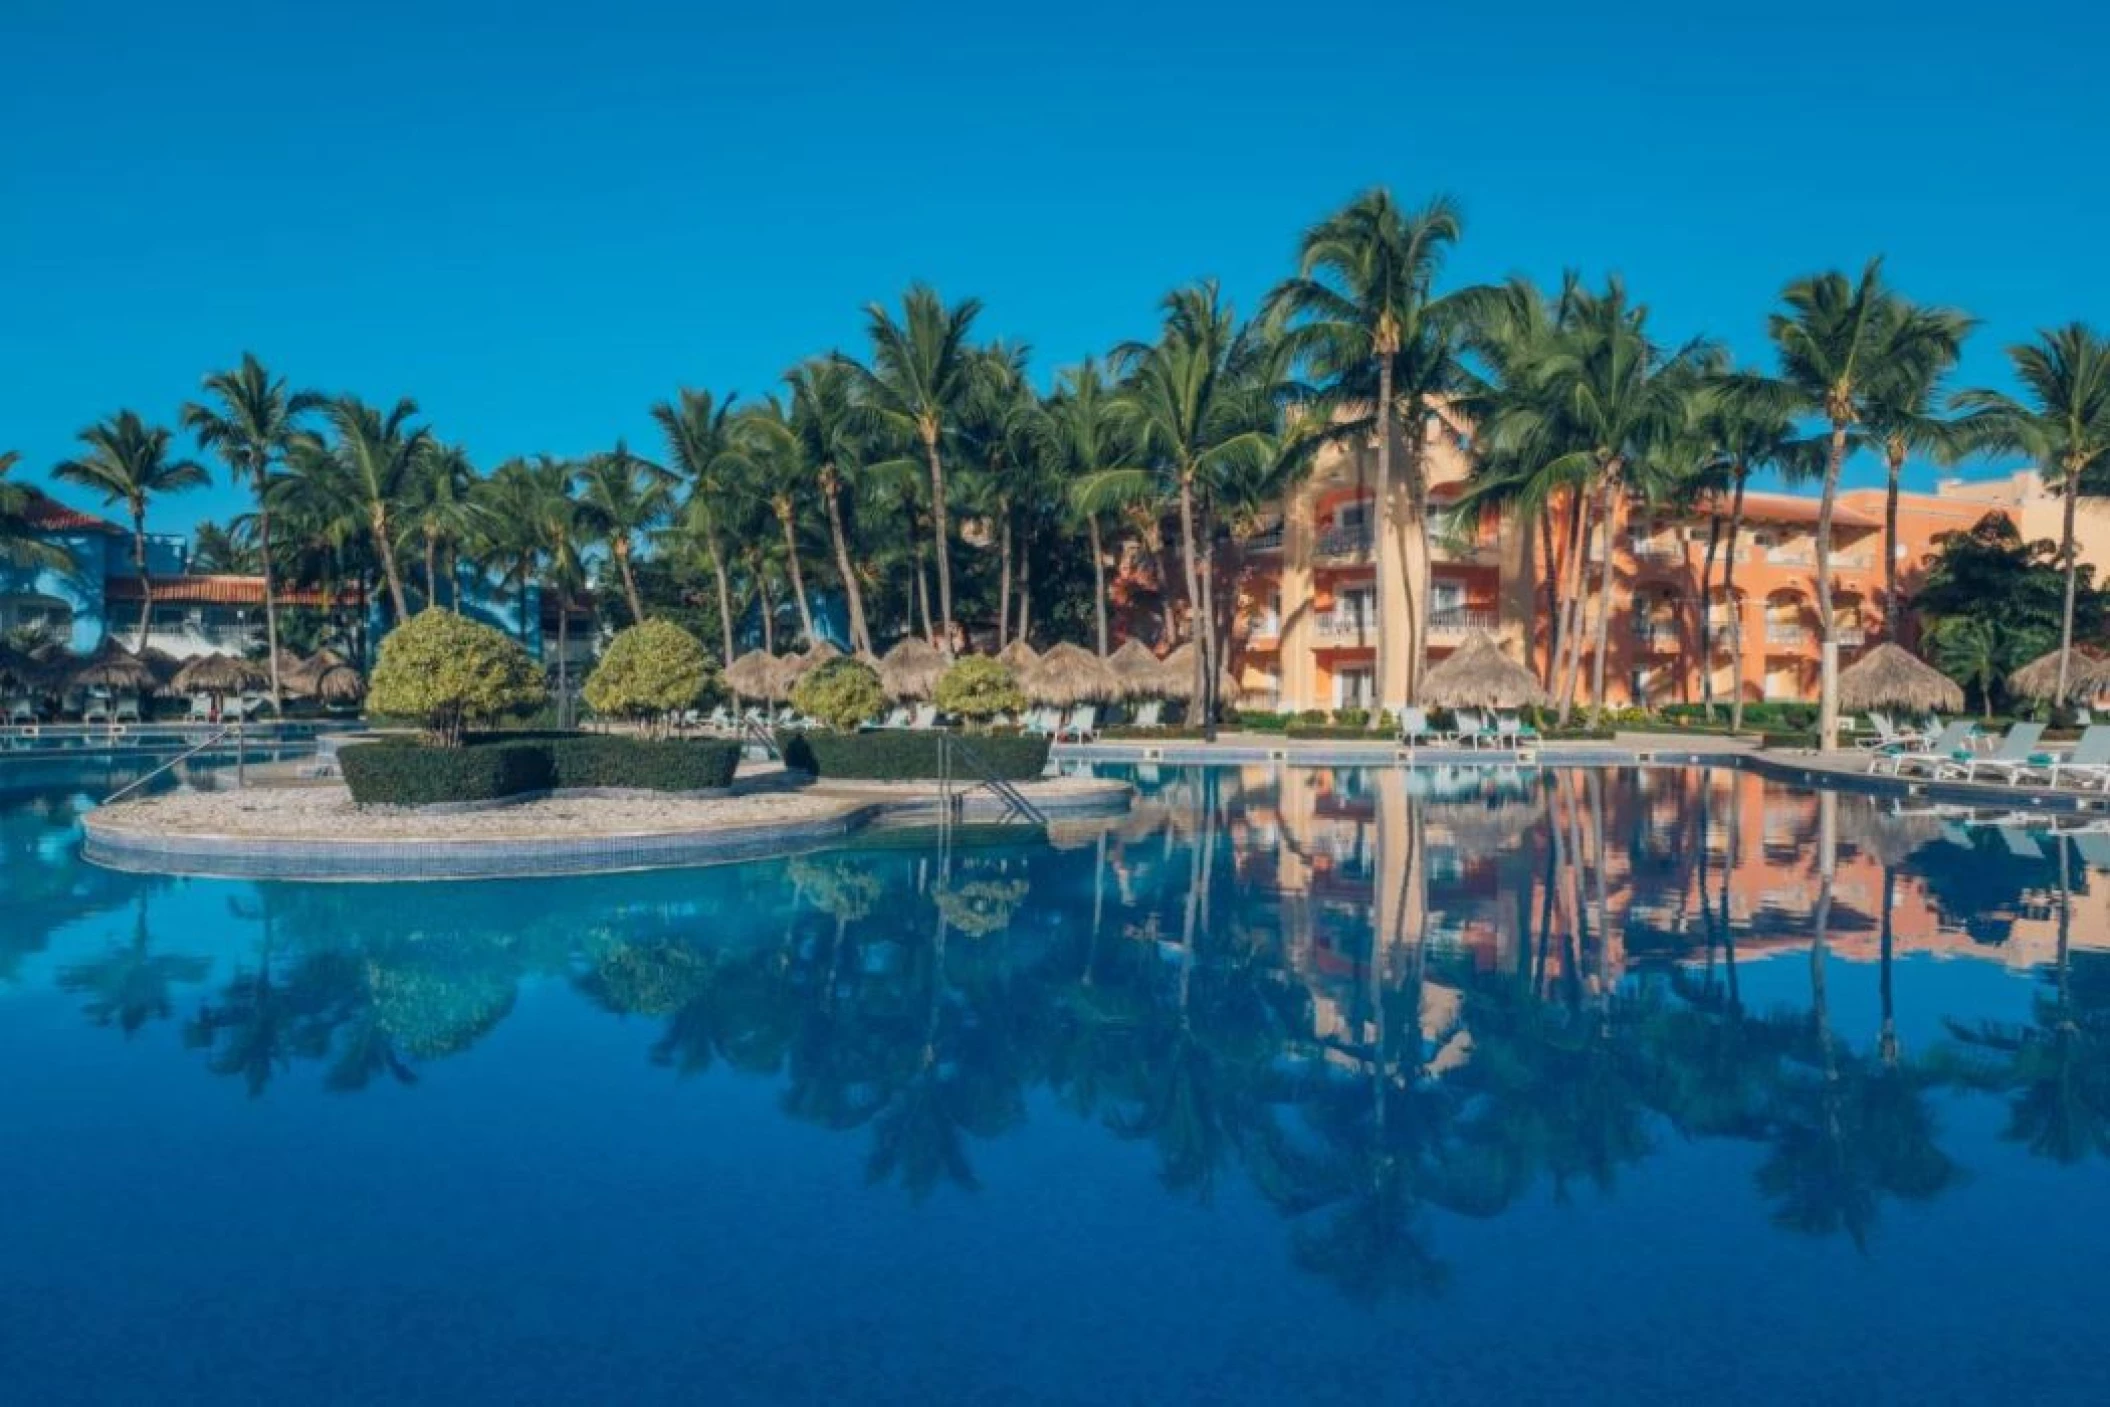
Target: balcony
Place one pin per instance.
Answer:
(1461, 620)
(1660, 636)
(1792, 636)
(1267, 541)
(1345, 625)
(1653, 549)
(1344, 544)
(1849, 637)
(1265, 627)
(1792, 555)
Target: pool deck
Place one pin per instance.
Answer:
(293, 828)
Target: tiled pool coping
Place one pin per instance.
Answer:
(113, 841)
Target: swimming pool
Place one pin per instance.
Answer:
(1294, 1085)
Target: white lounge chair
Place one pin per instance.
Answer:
(1150, 715)
(200, 709)
(95, 709)
(1414, 727)
(1511, 731)
(1471, 731)
(2014, 759)
(128, 709)
(1882, 734)
(1081, 726)
(2089, 762)
(925, 719)
(1954, 739)
(1043, 722)
(21, 711)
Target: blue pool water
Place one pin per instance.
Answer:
(1293, 1086)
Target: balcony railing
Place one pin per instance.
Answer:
(1344, 542)
(1851, 637)
(1791, 556)
(1267, 627)
(1336, 624)
(1649, 549)
(1796, 635)
(1267, 541)
(1460, 620)
(1657, 635)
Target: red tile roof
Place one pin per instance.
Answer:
(215, 591)
(1793, 508)
(46, 514)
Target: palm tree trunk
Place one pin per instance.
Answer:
(853, 594)
(1381, 524)
(1893, 615)
(386, 550)
(1003, 577)
(139, 564)
(2072, 566)
(1714, 542)
(263, 537)
(1091, 524)
(432, 571)
(1608, 511)
(630, 596)
(1025, 590)
(1553, 599)
(930, 630)
(1196, 621)
(798, 577)
(1828, 693)
(1887, 1041)
(563, 658)
(768, 610)
(1211, 641)
(1735, 609)
(1572, 629)
(725, 595)
(527, 579)
(939, 527)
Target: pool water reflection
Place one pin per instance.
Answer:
(1295, 1085)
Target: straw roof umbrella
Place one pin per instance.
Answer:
(112, 666)
(1136, 670)
(1018, 657)
(910, 670)
(754, 675)
(1068, 674)
(792, 668)
(339, 684)
(1892, 676)
(2039, 679)
(165, 667)
(1175, 678)
(1479, 674)
(219, 674)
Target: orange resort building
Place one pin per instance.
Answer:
(1310, 614)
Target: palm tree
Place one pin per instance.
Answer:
(252, 420)
(776, 469)
(1901, 421)
(377, 455)
(1369, 331)
(19, 544)
(822, 417)
(554, 521)
(1839, 342)
(997, 442)
(704, 452)
(922, 368)
(1086, 440)
(1199, 406)
(128, 462)
(2064, 427)
(621, 498)
(440, 508)
(1968, 648)
(508, 509)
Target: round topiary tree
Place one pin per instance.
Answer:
(650, 671)
(841, 693)
(449, 672)
(978, 688)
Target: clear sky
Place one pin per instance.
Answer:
(537, 220)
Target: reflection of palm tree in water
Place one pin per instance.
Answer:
(129, 985)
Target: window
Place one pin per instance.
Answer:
(1353, 688)
(1353, 514)
(1446, 596)
(42, 615)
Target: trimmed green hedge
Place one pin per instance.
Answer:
(892, 755)
(1361, 732)
(402, 773)
(492, 766)
(1125, 733)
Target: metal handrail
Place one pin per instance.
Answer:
(241, 760)
(1014, 801)
(753, 730)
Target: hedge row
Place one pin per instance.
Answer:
(494, 766)
(901, 755)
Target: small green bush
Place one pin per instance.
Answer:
(909, 756)
(421, 774)
(842, 693)
(1261, 722)
(588, 760)
(448, 672)
(650, 672)
(978, 688)
(1359, 732)
(1176, 733)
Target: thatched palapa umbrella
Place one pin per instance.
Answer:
(1136, 671)
(792, 668)
(112, 666)
(1176, 676)
(219, 675)
(1018, 657)
(1479, 674)
(339, 685)
(910, 670)
(1890, 676)
(2039, 679)
(755, 676)
(1068, 674)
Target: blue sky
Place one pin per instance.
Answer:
(538, 223)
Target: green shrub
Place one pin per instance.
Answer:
(1351, 717)
(978, 688)
(1261, 722)
(1175, 733)
(588, 760)
(650, 672)
(899, 755)
(447, 673)
(492, 766)
(842, 693)
(1359, 732)
(421, 774)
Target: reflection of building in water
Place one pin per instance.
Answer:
(1575, 876)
